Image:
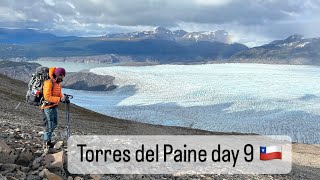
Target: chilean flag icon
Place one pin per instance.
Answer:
(270, 152)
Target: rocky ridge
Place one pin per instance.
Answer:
(88, 81)
(18, 70)
(74, 80)
(293, 50)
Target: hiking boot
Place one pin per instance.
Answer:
(45, 148)
(50, 144)
(48, 147)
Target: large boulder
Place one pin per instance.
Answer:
(55, 163)
(88, 81)
(54, 160)
(25, 157)
(7, 155)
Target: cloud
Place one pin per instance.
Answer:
(263, 19)
(212, 2)
(50, 2)
(71, 5)
(10, 15)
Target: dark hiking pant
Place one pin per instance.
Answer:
(50, 122)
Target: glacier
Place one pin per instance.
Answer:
(247, 98)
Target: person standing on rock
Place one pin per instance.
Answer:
(52, 95)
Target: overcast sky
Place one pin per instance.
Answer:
(252, 22)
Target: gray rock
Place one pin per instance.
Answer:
(26, 136)
(42, 173)
(77, 178)
(8, 168)
(2, 177)
(25, 157)
(41, 168)
(58, 171)
(4, 135)
(38, 146)
(33, 177)
(140, 176)
(20, 175)
(24, 169)
(33, 172)
(95, 176)
(51, 176)
(11, 178)
(7, 155)
(18, 150)
(10, 174)
(38, 153)
(17, 137)
(36, 163)
(4, 147)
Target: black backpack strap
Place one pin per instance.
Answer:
(32, 80)
(52, 85)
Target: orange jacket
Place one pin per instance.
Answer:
(50, 95)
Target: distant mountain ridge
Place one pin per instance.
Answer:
(177, 35)
(293, 50)
(159, 45)
(25, 36)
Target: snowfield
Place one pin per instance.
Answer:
(248, 98)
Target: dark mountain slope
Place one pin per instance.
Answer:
(293, 50)
(25, 36)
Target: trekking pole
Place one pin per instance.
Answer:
(68, 116)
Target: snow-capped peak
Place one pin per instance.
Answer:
(161, 30)
(166, 34)
(294, 38)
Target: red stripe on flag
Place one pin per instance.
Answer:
(273, 155)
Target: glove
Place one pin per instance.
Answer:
(65, 99)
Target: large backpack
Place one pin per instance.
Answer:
(35, 87)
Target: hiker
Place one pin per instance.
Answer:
(52, 95)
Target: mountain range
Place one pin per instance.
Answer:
(160, 45)
(177, 35)
(26, 36)
(293, 50)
